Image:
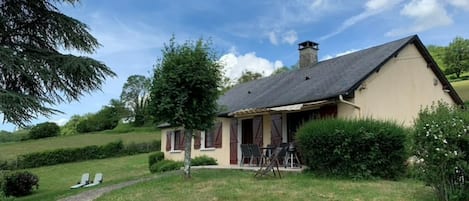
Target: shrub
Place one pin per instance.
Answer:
(43, 130)
(353, 148)
(203, 160)
(155, 158)
(144, 147)
(166, 165)
(442, 146)
(18, 183)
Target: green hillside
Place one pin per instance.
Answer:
(462, 87)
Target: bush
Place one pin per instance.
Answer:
(18, 183)
(166, 165)
(203, 160)
(442, 146)
(44, 130)
(155, 158)
(353, 148)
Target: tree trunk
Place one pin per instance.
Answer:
(187, 153)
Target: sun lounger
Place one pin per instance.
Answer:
(98, 178)
(85, 179)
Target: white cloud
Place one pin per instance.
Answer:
(339, 54)
(273, 38)
(426, 14)
(285, 37)
(60, 122)
(235, 64)
(464, 4)
(290, 37)
(372, 7)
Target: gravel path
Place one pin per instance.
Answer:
(96, 193)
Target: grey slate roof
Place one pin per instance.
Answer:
(325, 80)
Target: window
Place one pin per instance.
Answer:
(177, 142)
(208, 138)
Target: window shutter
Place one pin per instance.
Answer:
(257, 130)
(182, 135)
(218, 135)
(197, 140)
(276, 129)
(234, 141)
(168, 140)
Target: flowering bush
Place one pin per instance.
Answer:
(442, 147)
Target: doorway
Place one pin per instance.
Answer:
(247, 135)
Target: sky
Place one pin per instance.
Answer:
(255, 35)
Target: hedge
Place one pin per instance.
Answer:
(43, 130)
(353, 148)
(59, 156)
(17, 183)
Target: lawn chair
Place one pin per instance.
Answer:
(245, 153)
(256, 154)
(98, 178)
(272, 164)
(85, 179)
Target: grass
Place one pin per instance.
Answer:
(240, 185)
(462, 87)
(54, 181)
(12, 150)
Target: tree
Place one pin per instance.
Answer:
(135, 96)
(438, 54)
(457, 56)
(35, 75)
(280, 70)
(185, 89)
(248, 76)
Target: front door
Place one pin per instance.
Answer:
(247, 136)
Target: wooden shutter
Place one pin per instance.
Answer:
(168, 140)
(276, 129)
(197, 140)
(234, 141)
(257, 130)
(181, 140)
(218, 135)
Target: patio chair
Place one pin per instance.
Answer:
(85, 179)
(256, 154)
(245, 153)
(98, 178)
(273, 163)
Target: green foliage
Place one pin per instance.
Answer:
(247, 76)
(155, 158)
(70, 128)
(134, 95)
(353, 148)
(185, 85)
(280, 70)
(457, 56)
(105, 119)
(43, 130)
(18, 183)
(166, 165)
(6, 136)
(59, 156)
(203, 160)
(442, 146)
(438, 54)
(35, 74)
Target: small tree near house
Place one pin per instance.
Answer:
(185, 89)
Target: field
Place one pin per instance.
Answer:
(462, 87)
(12, 150)
(241, 185)
(55, 181)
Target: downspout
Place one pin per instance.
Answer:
(341, 99)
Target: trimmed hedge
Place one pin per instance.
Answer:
(353, 148)
(155, 158)
(166, 165)
(59, 156)
(18, 183)
(203, 160)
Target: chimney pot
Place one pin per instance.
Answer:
(308, 53)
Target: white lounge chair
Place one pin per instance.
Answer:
(85, 179)
(98, 178)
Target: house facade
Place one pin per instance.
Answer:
(392, 81)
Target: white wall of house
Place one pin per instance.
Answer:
(398, 90)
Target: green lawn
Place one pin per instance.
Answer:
(240, 185)
(54, 181)
(12, 150)
(462, 87)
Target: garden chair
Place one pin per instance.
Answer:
(98, 178)
(85, 179)
(273, 163)
(245, 153)
(256, 154)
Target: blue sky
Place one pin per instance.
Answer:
(259, 35)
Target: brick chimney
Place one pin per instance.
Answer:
(308, 53)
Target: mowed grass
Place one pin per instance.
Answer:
(55, 181)
(462, 87)
(241, 185)
(12, 150)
